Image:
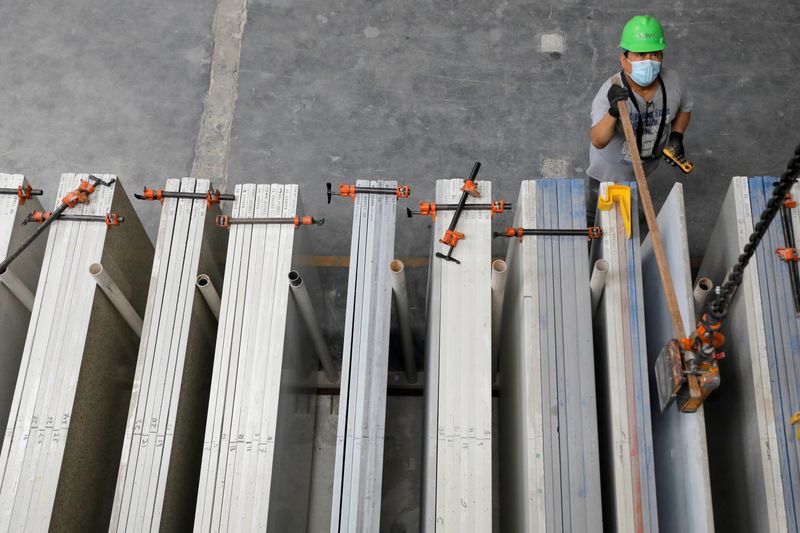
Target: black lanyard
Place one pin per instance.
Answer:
(640, 126)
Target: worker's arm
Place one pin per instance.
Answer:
(603, 131)
(681, 121)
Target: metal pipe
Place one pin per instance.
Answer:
(401, 305)
(498, 289)
(209, 293)
(307, 312)
(18, 289)
(597, 283)
(118, 300)
(702, 289)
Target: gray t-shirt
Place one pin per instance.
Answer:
(613, 163)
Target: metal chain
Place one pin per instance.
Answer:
(719, 307)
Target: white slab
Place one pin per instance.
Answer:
(14, 316)
(683, 483)
(358, 470)
(549, 456)
(745, 467)
(260, 416)
(457, 484)
(64, 434)
(160, 468)
(629, 494)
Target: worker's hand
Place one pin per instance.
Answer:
(675, 145)
(616, 94)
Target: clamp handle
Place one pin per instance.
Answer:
(403, 191)
(113, 219)
(307, 220)
(344, 190)
(470, 187)
(212, 197)
(788, 255)
(26, 193)
(223, 221)
(150, 195)
(37, 216)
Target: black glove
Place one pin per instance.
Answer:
(675, 145)
(616, 94)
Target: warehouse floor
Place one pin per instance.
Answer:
(414, 91)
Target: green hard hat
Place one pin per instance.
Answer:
(642, 33)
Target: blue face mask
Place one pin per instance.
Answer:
(644, 72)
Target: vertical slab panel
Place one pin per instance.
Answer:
(160, 470)
(64, 434)
(14, 315)
(362, 407)
(262, 366)
(745, 469)
(458, 458)
(629, 494)
(681, 454)
(550, 473)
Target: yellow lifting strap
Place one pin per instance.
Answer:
(622, 195)
(796, 420)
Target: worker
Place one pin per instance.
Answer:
(658, 103)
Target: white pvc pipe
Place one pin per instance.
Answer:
(209, 293)
(118, 299)
(401, 305)
(701, 291)
(20, 291)
(498, 289)
(597, 282)
(307, 312)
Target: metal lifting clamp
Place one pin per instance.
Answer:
(451, 236)
(687, 369)
(79, 195)
(23, 193)
(431, 208)
(402, 191)
(110, 219)
(224, 221)
(211, 197)
(592, 232)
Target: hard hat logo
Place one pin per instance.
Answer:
(643, 33)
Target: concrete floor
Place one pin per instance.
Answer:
(335, 91)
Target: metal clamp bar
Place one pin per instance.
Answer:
(110, 219)
(79, 195)
(592, 232)
(431, 208)
(23, 193)
(451, 236)
(211, 197)
(224, 221)
(401, 191)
